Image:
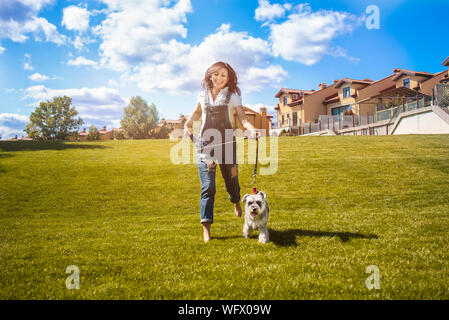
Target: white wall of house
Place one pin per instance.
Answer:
(422, 123)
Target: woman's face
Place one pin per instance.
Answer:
(220, 78)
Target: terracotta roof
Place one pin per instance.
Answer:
(172, 121)
(328, 87)
(398, 92)
(346, 80)
(388, 89)
(436, 75)
(386, 78)
(331, 96)
(286, 90)
(336, 99)
(446, 62)
(401, 72)
(296, 102)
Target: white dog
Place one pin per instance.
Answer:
(256, 215)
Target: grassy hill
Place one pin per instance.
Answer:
(129, 219)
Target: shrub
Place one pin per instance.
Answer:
(93, 134)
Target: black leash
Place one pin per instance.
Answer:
(255, 166)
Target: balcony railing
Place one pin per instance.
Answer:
(392, 112)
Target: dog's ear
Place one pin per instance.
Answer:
(264, 195)
(244, 198)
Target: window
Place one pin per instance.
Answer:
(340, 110)
(407, 83)
(285, 100)
(295, 96)
(282, 119)
(295, 118)
(346, 92)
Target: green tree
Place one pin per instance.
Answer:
(161, 132)
(139, 118)
(93, 134)
(56, 119)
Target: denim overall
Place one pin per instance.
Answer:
(216, 117)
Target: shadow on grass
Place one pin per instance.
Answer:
(4, 155)
(288, 237)
(11, 146)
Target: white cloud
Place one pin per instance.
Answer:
(2, 49)
(12, 124)
(18, 18)
(255, 79)
(38, 77)
(10, 117)
(306, 36)
(76, 18)
(27, 63)
(267, 11)
(150, 54)
(100, 98)
(82, 61)
(134, 30)
(340, 52)
(179, 68)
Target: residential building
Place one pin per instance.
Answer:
(446, 64)
(366, 101)
(83, 135)
(105, 134)
(314, 104)
(174, 124)
(289, 109)
(410, 79)
(260, 120)
(428, 86)
(396, 89)
(344, 101)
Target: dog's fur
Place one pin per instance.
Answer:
(256, 215)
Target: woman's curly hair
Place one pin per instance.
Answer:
(232, 77)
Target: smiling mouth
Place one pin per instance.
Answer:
(254, 214)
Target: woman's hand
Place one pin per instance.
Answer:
(254, 133)
(188, 132)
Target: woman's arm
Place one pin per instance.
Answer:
(196, 115)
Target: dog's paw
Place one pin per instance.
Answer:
(263, 238)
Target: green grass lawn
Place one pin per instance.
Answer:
(129, 219)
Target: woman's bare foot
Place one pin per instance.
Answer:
(206, 231)
(238, 209)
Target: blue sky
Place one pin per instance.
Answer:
(103, 52)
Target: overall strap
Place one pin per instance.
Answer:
(206, 98)
(228, 97)
(207, 101)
